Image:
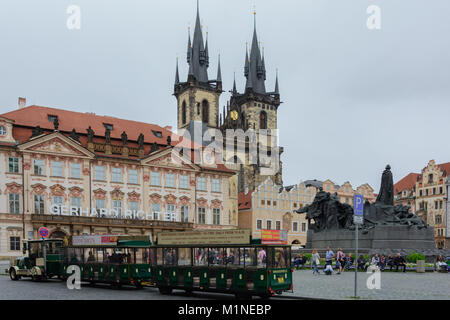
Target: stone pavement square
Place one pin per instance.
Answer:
(394, 285)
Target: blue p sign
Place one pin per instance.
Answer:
(359, 205)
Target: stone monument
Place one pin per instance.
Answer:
(386, 227)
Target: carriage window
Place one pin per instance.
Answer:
(200, 255)
(250, 257)
(184, 256)
(159, 256)
(281, 257)
(261, 257)
(214, 256)
(152, 256)
(232, 256)
(170, 256)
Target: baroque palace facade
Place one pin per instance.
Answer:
(427, 193)
(79, 173)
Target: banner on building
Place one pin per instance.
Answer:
(213, 237)
(273, 236)
(94, 240)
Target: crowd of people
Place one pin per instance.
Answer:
(346, 261)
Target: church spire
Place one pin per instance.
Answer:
(198, 56)
(234, 84)
(277, 91)
(219, 72)
(255, 78)
(177, 76)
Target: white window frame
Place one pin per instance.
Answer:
(99, 172)
(75, 170)
(57, 169)
(156, 213)
(155, 178)
(39, 203)
(15, 201)
(14, 162)
(215, 185)
(132, 176)
(116, 175)
(202, 211)
(271, 225)
(216, 214)
(276, 222)
(201, 183)
(184, 181)
(117, 205)
(184, 213)
(40, 166)
(170, 180)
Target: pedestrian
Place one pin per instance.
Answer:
(390, 262)
(399, 261)
(362, 262)
(382, 262)
(315, 258)
(375, 260)
(349, 261)
(329, 255)
(340, 256)
(297, 261)
(440, 264)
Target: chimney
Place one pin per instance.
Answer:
(22, 102)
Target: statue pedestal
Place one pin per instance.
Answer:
(378, 238)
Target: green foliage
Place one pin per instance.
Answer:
(413, 257)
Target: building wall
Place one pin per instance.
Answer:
(431, 200)
(346, 192)
(193, 96)
(269, 204)
(56, 147)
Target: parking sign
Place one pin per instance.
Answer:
(358, 205)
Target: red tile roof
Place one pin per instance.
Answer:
(445, 167)
(25, 119)
(33, 116)
(407, 183)
(245, 200)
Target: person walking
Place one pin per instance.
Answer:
(315, 258)
(329, 255)
(340, 256)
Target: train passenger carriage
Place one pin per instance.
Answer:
(117, 260)
(244, 269)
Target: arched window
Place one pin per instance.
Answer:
(205, 111)
(183, 113)
(263, 120)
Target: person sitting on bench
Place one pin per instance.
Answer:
(399, 261)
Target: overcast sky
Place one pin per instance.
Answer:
(354, 99)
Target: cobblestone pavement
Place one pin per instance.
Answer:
(394, 286)
(25, 289)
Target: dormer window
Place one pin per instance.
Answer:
(108, 126)
(2, 131)
(157, 134)
(52, 118)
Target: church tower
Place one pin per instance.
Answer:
(198, 97)
(255, 108)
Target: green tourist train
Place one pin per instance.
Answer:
(225, 261)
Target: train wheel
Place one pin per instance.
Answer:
(13, 275)
(188, 291)
(138, 285)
